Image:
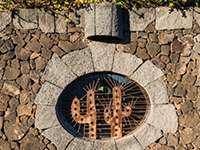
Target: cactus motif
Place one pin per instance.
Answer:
(114, 115)
(89, 117)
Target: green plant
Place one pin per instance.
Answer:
(75, 4)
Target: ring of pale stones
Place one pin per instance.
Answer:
(59, 72)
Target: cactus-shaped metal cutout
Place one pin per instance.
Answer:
(89, 117)
(114, 115)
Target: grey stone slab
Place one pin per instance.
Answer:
(165, 19)
(80, 62)
(5, 19)
(58, 73)
(157, 92)
(102, 55)
(48, 94)
(147, 134)
(146, 73)
(45, 117)
(138, 22)
(58, 136)
(61, 23)
(128, 143)
(26, 19)
(163, 117)
(125, 63)
(103, 19)
(89, 17)
(104, 145)
(80, 144)
(108, 22)
(46, 22)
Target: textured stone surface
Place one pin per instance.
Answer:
(31, 142)
(157, 96)
(172, 20)
(146, 73)
(140, 20)
(109, 22)
(80, 62)
(80, 144)
(48, 94)
(102, 145)
(58, 136)
(45, 117)
(61, 23)
(58, 73)
(163, 117)
(128, 143)
(5, 19)
(125, 63)
(46, 22)
(147, 134)
(26, 19)
(10, 89)
(165, 37)
(68, 46)
(104, 23)
(3, 103)
(11, 73)
(102, 55)
(197, 15)
(89, 26)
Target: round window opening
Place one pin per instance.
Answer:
(102, 105)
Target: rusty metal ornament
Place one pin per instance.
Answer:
(89, 117)
(114, 115)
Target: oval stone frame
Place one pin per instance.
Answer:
(59, 72)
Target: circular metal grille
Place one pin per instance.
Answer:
(102, 105)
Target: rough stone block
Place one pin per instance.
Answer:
(146, 73)
(61, 23)
(147, 134)
(104, 145)
(165, 19)
(89, 27)
(5, 19)
(80, 144)
(46, 117)
(104, 23)
(140, 20)
(26, 19)
(128, 143)
(58, 136)
(157, 92)
(125, 63)
(197, 15)
(163, 117)
(80, 62)
(102, 54)
(46, 22)
(58, 73)
(48, 94)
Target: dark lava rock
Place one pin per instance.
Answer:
(3, 101)
(31, 142)
(22, 53)
(11, 73)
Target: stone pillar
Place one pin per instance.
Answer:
(104, 22)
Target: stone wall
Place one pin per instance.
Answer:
(29, 38)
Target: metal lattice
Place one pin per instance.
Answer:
(102, 105)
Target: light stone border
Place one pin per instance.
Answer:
(161, 119)
(56, 23)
